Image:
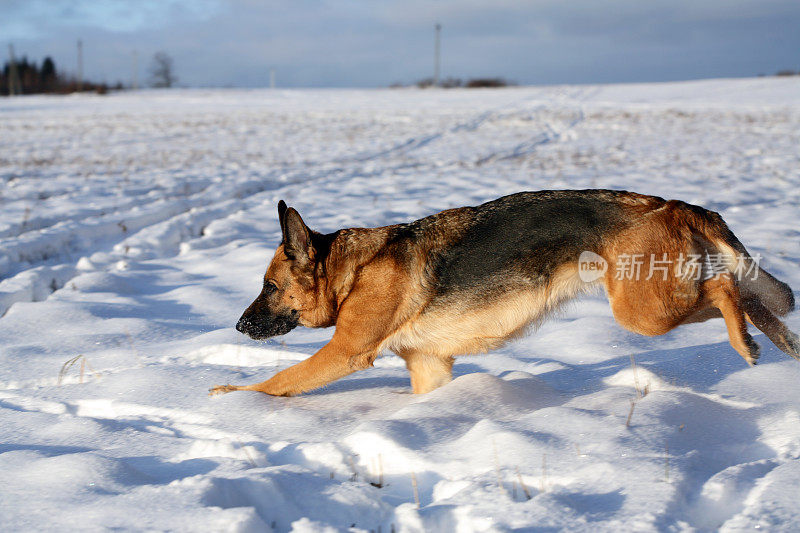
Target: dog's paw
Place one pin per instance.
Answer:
(755, 352)
(222, 389)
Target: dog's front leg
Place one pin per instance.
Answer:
(335, 360)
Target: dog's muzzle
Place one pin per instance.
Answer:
(261, 327)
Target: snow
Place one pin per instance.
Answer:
(135, 228)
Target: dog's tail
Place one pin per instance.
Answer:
(762, 295)
(754, 281)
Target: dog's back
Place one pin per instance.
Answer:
(492, 270)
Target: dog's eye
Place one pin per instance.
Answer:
(269, 286)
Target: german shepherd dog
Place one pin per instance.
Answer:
(467, 280)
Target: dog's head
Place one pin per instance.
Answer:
(288, 297)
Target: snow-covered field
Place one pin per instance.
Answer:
(134, 230)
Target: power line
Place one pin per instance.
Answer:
(80, 65)
(436, 55)
(135, 77)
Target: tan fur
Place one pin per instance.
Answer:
(452, 329)
(656, 306)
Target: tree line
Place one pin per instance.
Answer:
(28, 77)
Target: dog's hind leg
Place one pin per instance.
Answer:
(428, 372)
(723, 293)
(775, 330)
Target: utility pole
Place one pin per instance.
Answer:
(436, 54)
(80, 65)
(14, 86)
(272, 78)
(135, 77)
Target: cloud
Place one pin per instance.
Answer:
(361, 43)
(29, 19)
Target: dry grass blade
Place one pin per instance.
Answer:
(379, 483)
(72, 362)
(134, 349)
(497, 468)
(416, 489)
(635, 377)
(522, 484)
(354, 477)
(66, 366)
(630, 414)
(247, 454)
(544, 473)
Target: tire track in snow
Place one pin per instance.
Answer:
(157, 232)
(525, 148)
(39, 245)
(23, 256)
(41, 223)
(414, 143)
(565, 97)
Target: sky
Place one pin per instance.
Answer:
(374, 43)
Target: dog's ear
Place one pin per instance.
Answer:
(282, 215)
(296, 237)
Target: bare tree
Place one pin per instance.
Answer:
(161, 71)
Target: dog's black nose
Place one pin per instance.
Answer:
(241, 326)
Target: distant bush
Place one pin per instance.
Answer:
(787, 73)
(478, 83)
(452, 83)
